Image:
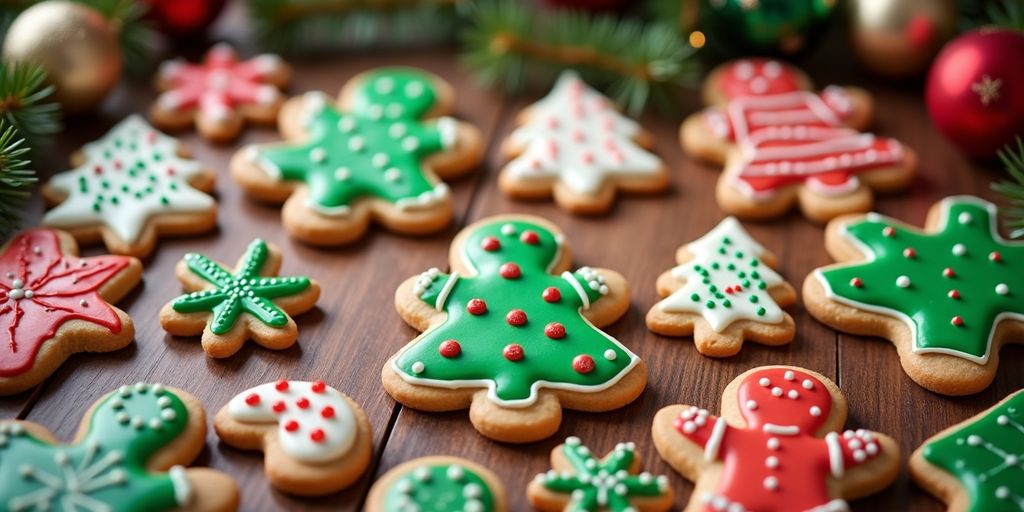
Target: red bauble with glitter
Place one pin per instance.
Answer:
(184, 18)
(975, 90)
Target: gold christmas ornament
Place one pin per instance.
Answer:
(899, 38)
(74, 44)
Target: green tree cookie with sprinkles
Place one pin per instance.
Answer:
(578, 481)
(977, 465)
(439, 483)
(127, 456)
(724, 291)
(379, 153)
(130, 186)
(512, 335)
(948, 297)
(251, 302)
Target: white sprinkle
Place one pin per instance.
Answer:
(773, 443)
(410, 143)
(342, 173)
(356, 144)
(903, 281)
(1002, 289)
(764, 382)
(346, 124)
(380, 160)
(455, 473)
(794, 394)
(392, 174)
(815, 411)
(751, 405)
(771, 462)
(964, 218)
(418, 367)
(421, 474)
(959, 250)
(776, 391)
(317, 155)
(385, 85)
(610, 355)
(807, 384)
(771, 483)
(508, 230)
(789, 375)
(472, 491)
(413, 89)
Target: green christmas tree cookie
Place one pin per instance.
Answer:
(510, 320)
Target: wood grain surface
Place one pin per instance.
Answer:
(354, 329)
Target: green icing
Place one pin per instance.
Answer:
(440, 488)
(987, 457)
(104, 471)
(547, 362)
(373, 151)
(980, 291)
(601, 484)
(245, 291)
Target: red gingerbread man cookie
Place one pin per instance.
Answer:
(776, 446)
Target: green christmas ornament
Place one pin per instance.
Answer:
(762, 27)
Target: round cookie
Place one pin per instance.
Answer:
(438, 482)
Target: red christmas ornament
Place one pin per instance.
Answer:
(975, 90)
(184, 18)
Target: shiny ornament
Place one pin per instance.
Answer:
(184, 18)
(759, 27)
(975, 90)
(74, 44)
(898, 38)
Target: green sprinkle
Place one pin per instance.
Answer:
(721, 250)
(706, 280)
(164, 200)
(761, 285)
(741, 274)
(760, 311)
(754, 262)
(754, 299)
(114, 200)
(715, 265)
(739, 254)
(755, 274)
(731, 266)
(695, 297)
(710, 304)
(713, 288)
(95, 207)
(727, 303)
(726, 240)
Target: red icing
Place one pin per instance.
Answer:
(954, 294)
(995, 256)
(554, 330)
(757, 77)
(450, 348)
(281, 385)
(957, 321)
(252, 400)
(909, 252)
(583, 364)
(856, 282)
(510, 271)
(302, 403)
(889, 231)
(516, 317)
(476, 306)
(490, 244)
(551, 294)
(291, 426)
(317, 435)
(948, 272)
(279, 407)
(59, 285)
(219, 84)
(530, 237)
(327, 412)
(319, 386)
(513, 352)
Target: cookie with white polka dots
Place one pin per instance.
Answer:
(949, 296)
(776, 446)
(315, 439)
(379, 153)
(512, 335)
(438, 483)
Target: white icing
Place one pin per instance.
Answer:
(714, 443)
(340, 430)
(705, 251)
(182, 485)
(835, 454)
(130, 215)
(575, 135)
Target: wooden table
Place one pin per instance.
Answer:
(347, 339)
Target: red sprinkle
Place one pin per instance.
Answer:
(530, 237)
(490, 244)
(449, 348)
(510, 271)
(97, 170)
(319, 386)
(317, 435)
(909, 252)
(551, 294)
(476, 306)
(303, 403)
(856, 282)
(948, 272)
(327, 412)
(953, 294)
(279, 407)
(583, 364)
(554, 330)
(291, 426)
(889, 231)
(253, 400)
(513, 352)
(995, 256)
(282, 385)
(516, 317)
(957, 321)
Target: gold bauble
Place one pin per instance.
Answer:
(899, 38)
(74, 44)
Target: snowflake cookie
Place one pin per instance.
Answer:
(579, 481)
(438, 483)
(977, 465)
(576, 145)
(784, 145)
(130, 186)
(512, 335)
(127, 456)
(228, 308)
(724, 291)
(316, 439)
(220, 94)
(379, 153)
(776, 447)
(948, 297)
(53, 304)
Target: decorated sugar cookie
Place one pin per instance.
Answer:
(976, 465)
(724, 291)
(948, 297)
(220, 94)
(128, 455)
(580, 481)
(438, 483)
(316, 440)
(576, 145)
(228, 308)
(130, 186)
(379, 153)
(53, 304)
(783, 144)
(776, 447)
(512, 335)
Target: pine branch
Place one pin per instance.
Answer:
(24, 102)
(136, 35)
(1013, 190)
(510, 45)
(1000, 13)
(16, 179)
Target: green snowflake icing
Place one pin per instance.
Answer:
(987, 457)
(374, 151)
(601, 484)
(245, 291)
(440, 487)
(106, 470)
(951, 288)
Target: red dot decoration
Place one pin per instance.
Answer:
(510, 271)
(476, 306)
(279, 407)
(302, 403)
(583, 364)
(516, 317)
(449, 348)
(995, 256)
(551, 294)
(957, 321)
(291, 426)
(319, 386)
(252, 400)
(317, 435)
(513, 352)
(327, 412)
(948, 272)
(889, 232)
(953, 294)
(554, 330)
(490, 244)
(856, 282)
(281, 385)
(530, 237)
(909, 252)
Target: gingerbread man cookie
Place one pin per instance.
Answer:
(316, 439)
(127, 456)
(54, 304)
(776, 446)
(978, 464)
(130, 186)
(782, 144)
(948, 297)
(231, 307)
(438, 483)
(575, 145)
(724, 291)
(377, 154)
(512, 335)
(580, 481)
(220, 94)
